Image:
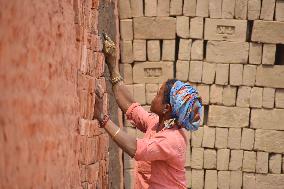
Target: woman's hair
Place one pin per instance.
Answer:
(169, 85)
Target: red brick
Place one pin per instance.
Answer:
(91, 150)
(103, 146)
(99, 60)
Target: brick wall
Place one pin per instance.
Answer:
(51, 60)
(232, 51)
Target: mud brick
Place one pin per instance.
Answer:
(234, 138)
(275, 163)
(153, 50)
(236, 74)
(84, 127)
(267, 9)
(268, 97)
(279, 98)
(197, 158)
(139, 50)
(91, 151)
(136, 8)
(210, 179)
(139, 93)
(259, 119)
(151, 91)
(225, 29)
(92, 172)
(202, 8)
(262, 162)
(188, 152)
(161, 28)
(255, 53)
(268, 56)
(197, 179)
(249, 181)
(264, 181)
(215, 8)
(222, 74)
(216, 92)
(221, 138)
(210, 159)
(236, 160)
(241, 9)
(268, 32)
(182, 68)
(223, 156)
(265, 76)
(228, 8)
(249, 161)
(208, 137)
(176, 7)
(236, 179)
(126, 29)
(256, 97)
(203, 91)
(197, 137)
(196, 28)
(229, 96)
(84, 60)
(208, 73)
(265, 140)
(243, 98)
(189, 7)
(195, 71)
(254, 7)
(124, 9)
(129, 179)
(168, 51)
(126, 72)
(279, 11)
(197, 49)
(151, 7)
(188, 177)
(183, 26)
(184, 49)
(152, 72)
(247, 139)
(163, 8)
(223, 179)
(126, 51)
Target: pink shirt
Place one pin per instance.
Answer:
(160, 156)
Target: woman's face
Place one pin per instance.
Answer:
(157, 105)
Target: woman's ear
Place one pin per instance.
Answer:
(168, 108)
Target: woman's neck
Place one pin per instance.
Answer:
(162, 119)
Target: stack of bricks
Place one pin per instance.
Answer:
(91, 89)
(232, 52)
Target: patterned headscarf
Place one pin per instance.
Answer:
(186, 105)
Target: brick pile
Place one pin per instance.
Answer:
(232, 51)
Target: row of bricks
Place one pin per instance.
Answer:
(239, 9)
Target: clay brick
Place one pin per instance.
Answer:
(153, 50)
(124, 9)
(249, 161)
(202, 8)
(215, 8)
(197, 49)
(197, 179)
(254, 7)
(216, 94)
(161, 28)
(260, 120)
(183, 26)
(126, 72)
(265, 140)
(129, 181)
(150, 7)
(267, 9)
(210, 179)
(268, 32)
(256, 97)
(168, 52)
(229, 95)
(243, 98)
(126, 51)
(151, 91)
(152, 72)
(223, 156)
(188, 152)
(195, 71)
(222, 74)
(208, 137)
(255, 53)
(223, 179)
(236, 74)
(265, 76)
(203, 91)
(234, 138)
(236, 160)
(279, 98)
(268, 56)
(247, 139)
(279, 10)
(136, 8)
(228, 8)
(176, 7)
(239, 117)
(188, 177)
(184, 49)
(92, 172)
(163, 8)
(139, 50)
(227, 52)
(139, 93)
(196, 28)
(261, 162)
(126, 29)
(182, 68)
(210, 159)
(197, 158)
(241, 9)
(249, 181)
(225, 29)
(275, 163)
(189, 7)
(221, 138)
(268, 97)
(236, 179)
(264, 181)
(208, 73)
(197, 137)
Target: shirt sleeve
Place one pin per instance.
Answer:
(139, 117)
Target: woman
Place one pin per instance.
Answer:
(161, 154)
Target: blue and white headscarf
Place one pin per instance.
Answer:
(182, 99)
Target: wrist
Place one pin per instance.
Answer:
(103, 121)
